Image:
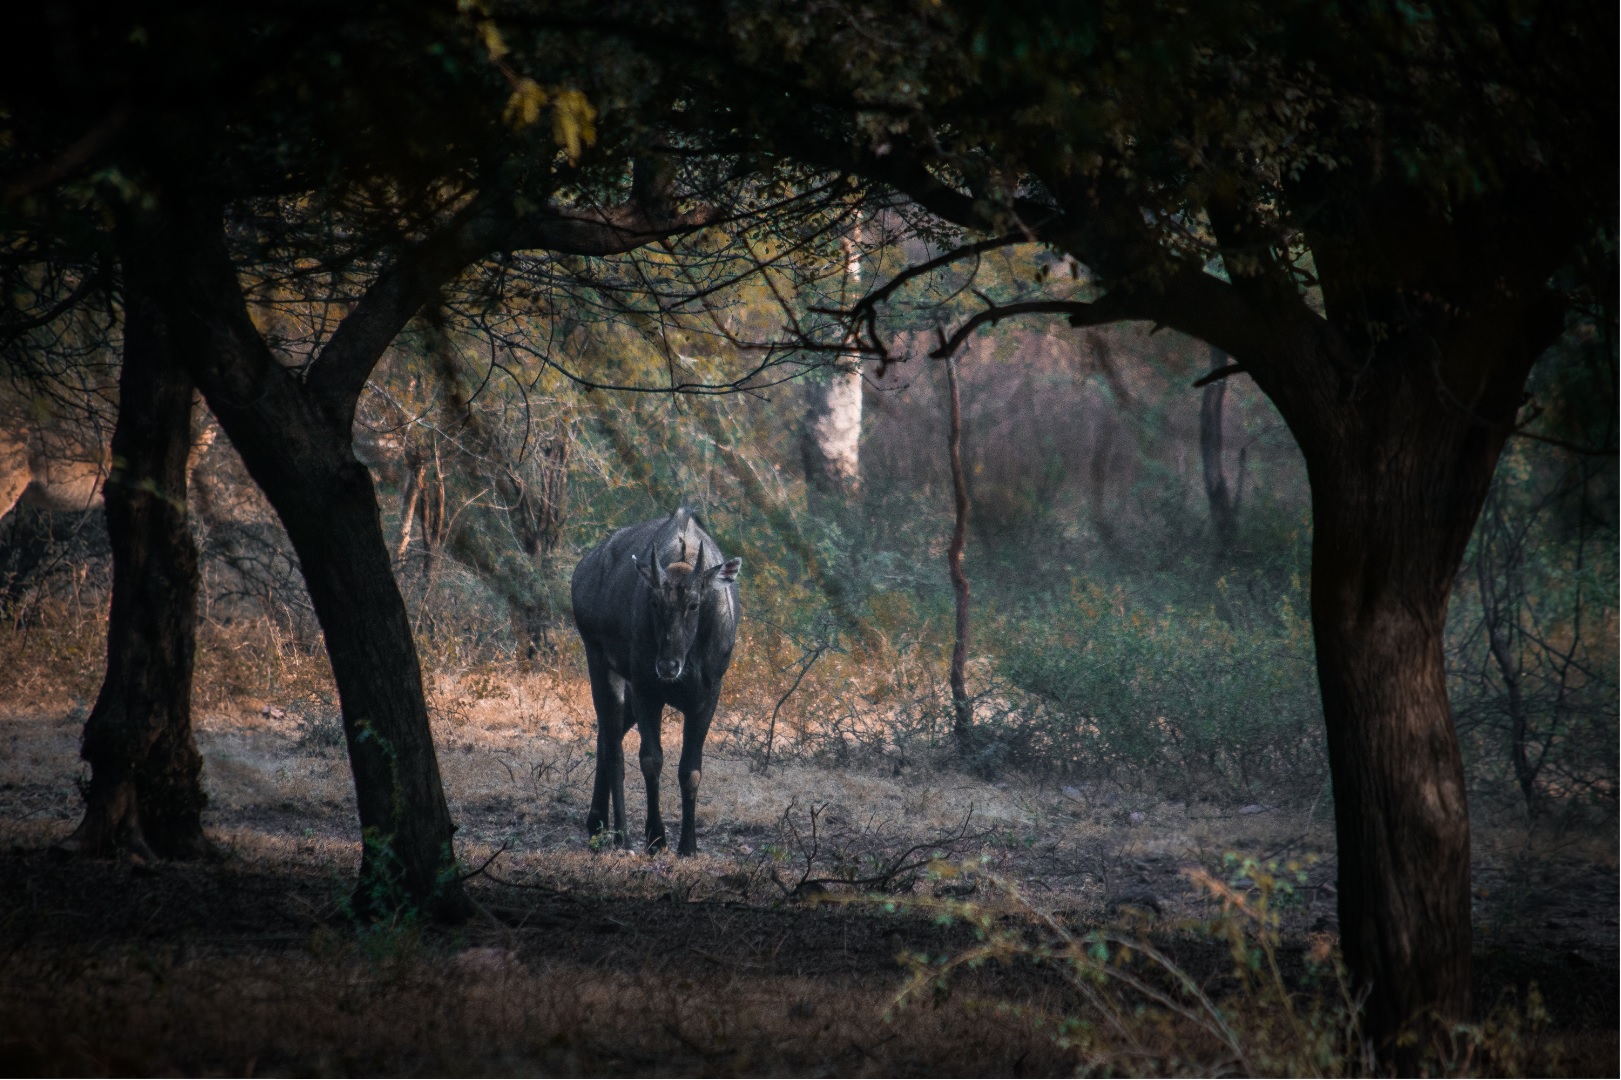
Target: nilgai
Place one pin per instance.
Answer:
(656, 606)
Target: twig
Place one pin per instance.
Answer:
(771, 734)
(486, 865)
(903, 863)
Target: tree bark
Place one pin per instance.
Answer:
(301, 455)
(962, 706)
(1401, 815)
(145, 793)
(1398, 476)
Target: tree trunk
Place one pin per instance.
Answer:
(408, 509)
(1398, 476)
(330, 511)
(962, 706)
(1223, 502)
(1401, 816)
(145, 793)
(299, 450)
(830, 446)
(831, 443)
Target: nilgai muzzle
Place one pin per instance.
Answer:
(656, 606)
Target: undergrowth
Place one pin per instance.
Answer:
(1284, 1008)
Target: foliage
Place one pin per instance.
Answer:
(1182, 702)
(1532, 636)
(1286, 1007)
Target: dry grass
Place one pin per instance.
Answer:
(599, 963)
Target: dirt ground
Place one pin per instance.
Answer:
(619, 963)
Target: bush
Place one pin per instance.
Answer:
(1180, 700)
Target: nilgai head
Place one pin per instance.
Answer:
(678, 594)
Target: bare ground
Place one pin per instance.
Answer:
(620, 963)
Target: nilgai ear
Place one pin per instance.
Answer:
(646, 571)
(726, 571)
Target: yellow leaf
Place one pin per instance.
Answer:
(523, 107)
(493, 41)
(573, 123)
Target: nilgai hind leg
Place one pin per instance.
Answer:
(608, 697)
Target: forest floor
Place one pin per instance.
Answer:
(732, 962)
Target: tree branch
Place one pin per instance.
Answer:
(879, 295)
(1220, 373)
(1563, 444)
(483, 228)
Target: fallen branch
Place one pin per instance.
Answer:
(912, 859)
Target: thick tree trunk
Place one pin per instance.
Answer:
(145, 794)
(1398, 476)
(300, 452)
(1400, 811)
(331, 516)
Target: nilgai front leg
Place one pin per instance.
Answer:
(694, 730)
(648, 714)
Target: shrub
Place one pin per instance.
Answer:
(1179, 699)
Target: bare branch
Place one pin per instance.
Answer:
(1080, 313)
(1220, 373)
(485, 227)
(1563, 444)
(879, 295)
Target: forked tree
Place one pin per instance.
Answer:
(425, 182)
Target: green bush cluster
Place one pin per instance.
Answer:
(1176, 699)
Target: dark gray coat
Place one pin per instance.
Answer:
(657, 608)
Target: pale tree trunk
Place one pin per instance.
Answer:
(831, 446)
(408, 509)
(831, 443)
(145, 793)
